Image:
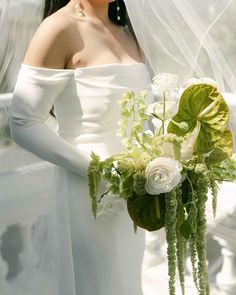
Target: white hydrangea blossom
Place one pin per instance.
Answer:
(165, 84)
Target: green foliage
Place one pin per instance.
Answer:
(214, 192)
(180, 241)
(133, 108)
(201, 191)
(182, 210)
(225, 171)
(139, 182)
(94, 173)
(147, 211)
(171, 237)
(202, 106)
(193, 257)
(223, 146)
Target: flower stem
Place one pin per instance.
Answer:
(164, 114)
(157, 207)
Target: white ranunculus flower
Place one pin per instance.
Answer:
(162, 175)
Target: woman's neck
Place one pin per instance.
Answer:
(92, 10)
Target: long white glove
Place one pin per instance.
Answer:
(35, 92)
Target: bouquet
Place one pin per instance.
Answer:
(164, 173)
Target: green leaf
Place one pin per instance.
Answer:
(226, 170)
(222, 148)
(203, 107)
(144, 211)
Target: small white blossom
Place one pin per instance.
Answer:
(171, 108)
(162, 175)
(165, 84)
(157, 123)
(151, 109)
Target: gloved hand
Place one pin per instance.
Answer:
(35, 92)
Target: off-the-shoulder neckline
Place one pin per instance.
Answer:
(83, 68)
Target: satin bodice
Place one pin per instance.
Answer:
(87, 110)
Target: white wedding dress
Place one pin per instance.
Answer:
(83, 256)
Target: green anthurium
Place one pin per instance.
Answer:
(147, 211)
(223, 148)
(203, 107)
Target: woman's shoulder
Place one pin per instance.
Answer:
(49, 45)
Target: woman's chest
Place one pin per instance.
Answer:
(101, 46)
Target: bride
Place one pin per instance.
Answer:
(81, 60)
(77, 254)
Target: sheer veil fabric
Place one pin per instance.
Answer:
(188, 38)
(18, 22)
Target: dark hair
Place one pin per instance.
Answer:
(52, 6)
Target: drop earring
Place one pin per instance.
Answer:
(118, 10)
(79, 11)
